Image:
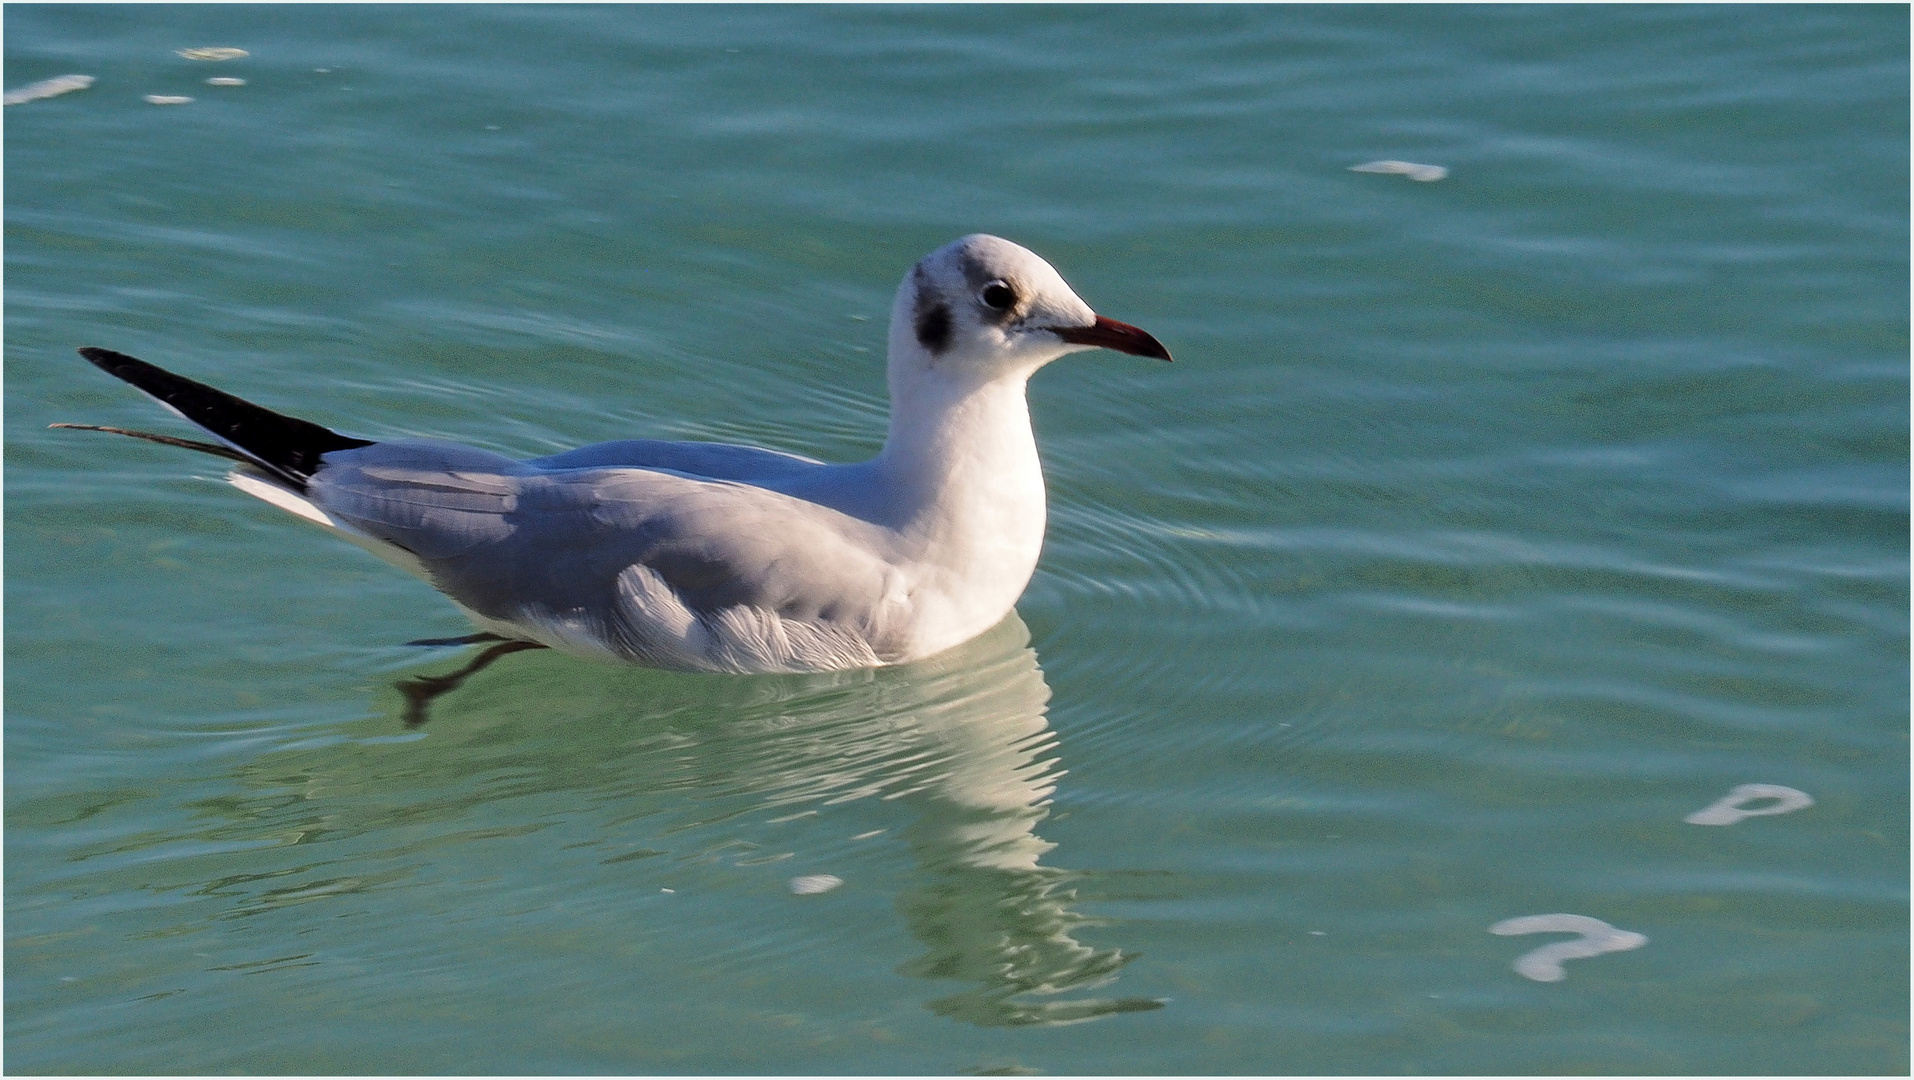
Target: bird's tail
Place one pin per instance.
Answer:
(285, 447)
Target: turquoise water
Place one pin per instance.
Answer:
(1483, 530)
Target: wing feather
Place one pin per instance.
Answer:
(747, 574)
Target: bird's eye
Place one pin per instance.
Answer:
(998, 296)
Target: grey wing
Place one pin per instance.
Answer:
(718, 461)
(646, 565)
(431, 499)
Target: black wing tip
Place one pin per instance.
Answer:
(121, 366)
(288, 447)
(106, 359)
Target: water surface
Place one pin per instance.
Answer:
(1483, 530)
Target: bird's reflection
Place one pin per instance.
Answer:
(957, 750)
(988, 911)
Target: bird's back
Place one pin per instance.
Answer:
(714, 461)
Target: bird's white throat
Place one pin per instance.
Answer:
(961, 469)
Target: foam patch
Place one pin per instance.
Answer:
(1731, 807)
(1545, 963)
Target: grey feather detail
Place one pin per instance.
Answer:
(714, 461)
(653, 566)
(435, 500)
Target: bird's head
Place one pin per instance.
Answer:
(982, 308)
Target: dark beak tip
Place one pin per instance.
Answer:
(1108, 333)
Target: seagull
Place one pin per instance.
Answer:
(705, 556)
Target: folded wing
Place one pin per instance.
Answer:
(645, 565)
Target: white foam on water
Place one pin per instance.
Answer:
(811, 884)
(1545, 964)
(225, 80)
(166, 99)
(212, 54)
(1729, 808)
(46, 88)
(1410, 169)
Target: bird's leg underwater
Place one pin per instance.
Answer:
(421, 691)
(469, 639)
(188, 444)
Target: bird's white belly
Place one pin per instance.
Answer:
(657, 628)
(654, 626)
(948, 609)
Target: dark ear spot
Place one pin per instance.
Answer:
(933, 327)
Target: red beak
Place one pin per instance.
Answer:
(1111, 334)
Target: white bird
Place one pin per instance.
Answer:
(710, 557)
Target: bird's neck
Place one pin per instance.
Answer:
(962, 465)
